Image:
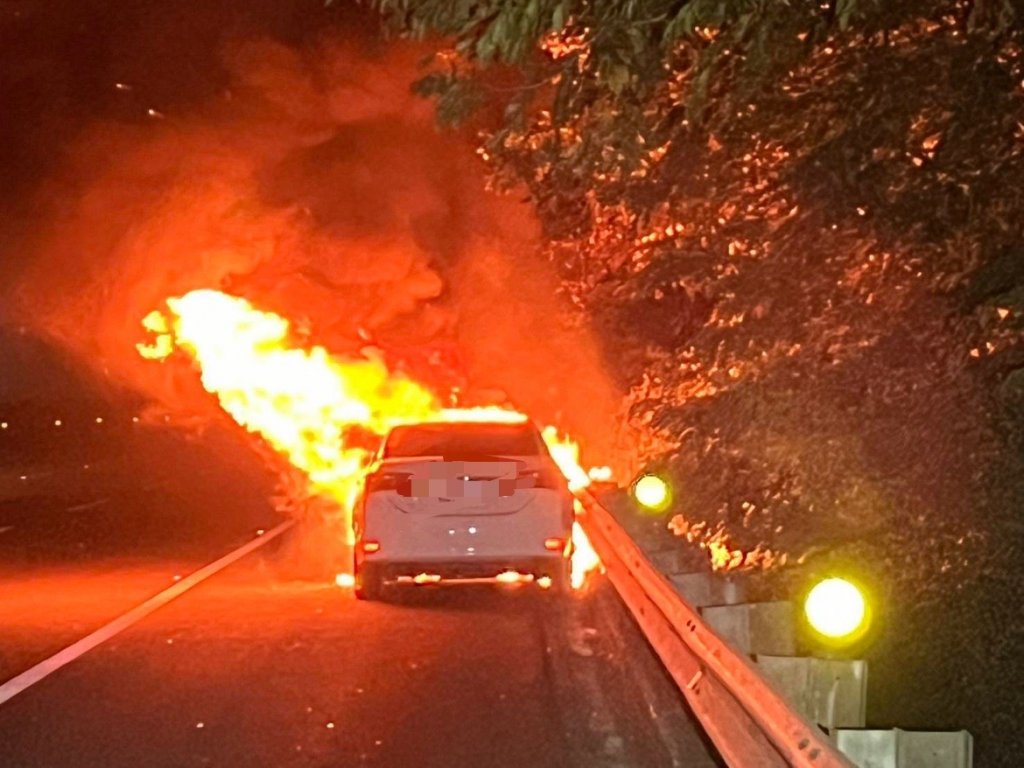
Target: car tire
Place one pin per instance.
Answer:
(369, 583)
(561, 579)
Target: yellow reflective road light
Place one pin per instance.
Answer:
(836, 609)
(652, 492)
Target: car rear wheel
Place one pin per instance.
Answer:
(561, 578)
(369, 583)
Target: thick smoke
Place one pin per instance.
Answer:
(315, 185)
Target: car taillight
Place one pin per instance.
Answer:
(542, 478)
(388, 481)
(554, 544)
(370, 546)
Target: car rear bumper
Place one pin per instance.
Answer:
(470, 568)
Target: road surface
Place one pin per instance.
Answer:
(259, 667)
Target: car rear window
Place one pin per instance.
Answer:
(463, 440)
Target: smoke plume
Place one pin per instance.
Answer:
(315, 185)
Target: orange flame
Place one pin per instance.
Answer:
(302, 401)
(566, 454)
(299, 400)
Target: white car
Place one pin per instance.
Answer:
(453, 500)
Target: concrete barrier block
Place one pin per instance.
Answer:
(897, 748)
(701, 589)
(755, 628)
(829, 692)
(868, 749)
(666, 560)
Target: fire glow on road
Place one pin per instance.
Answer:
(306, 403)
(47, 667)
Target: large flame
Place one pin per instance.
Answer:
(305, 402)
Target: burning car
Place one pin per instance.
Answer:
(463, 500)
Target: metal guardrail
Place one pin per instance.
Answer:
(748, 721)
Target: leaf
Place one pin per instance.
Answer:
(616, 77)
(558, 16)
(846, 12)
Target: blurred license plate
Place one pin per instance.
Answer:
(480, 489)
(452, 488)
(490, 489)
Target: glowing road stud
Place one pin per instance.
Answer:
(652, 492)
(836, 609)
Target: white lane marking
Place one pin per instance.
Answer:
(88, 505)
(6, 528)
(30, 677)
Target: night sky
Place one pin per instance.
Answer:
(63, 60)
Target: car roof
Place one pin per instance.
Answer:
(468, 426)
(452, 437)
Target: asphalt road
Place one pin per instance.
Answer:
(269, 664)
(249, 669)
